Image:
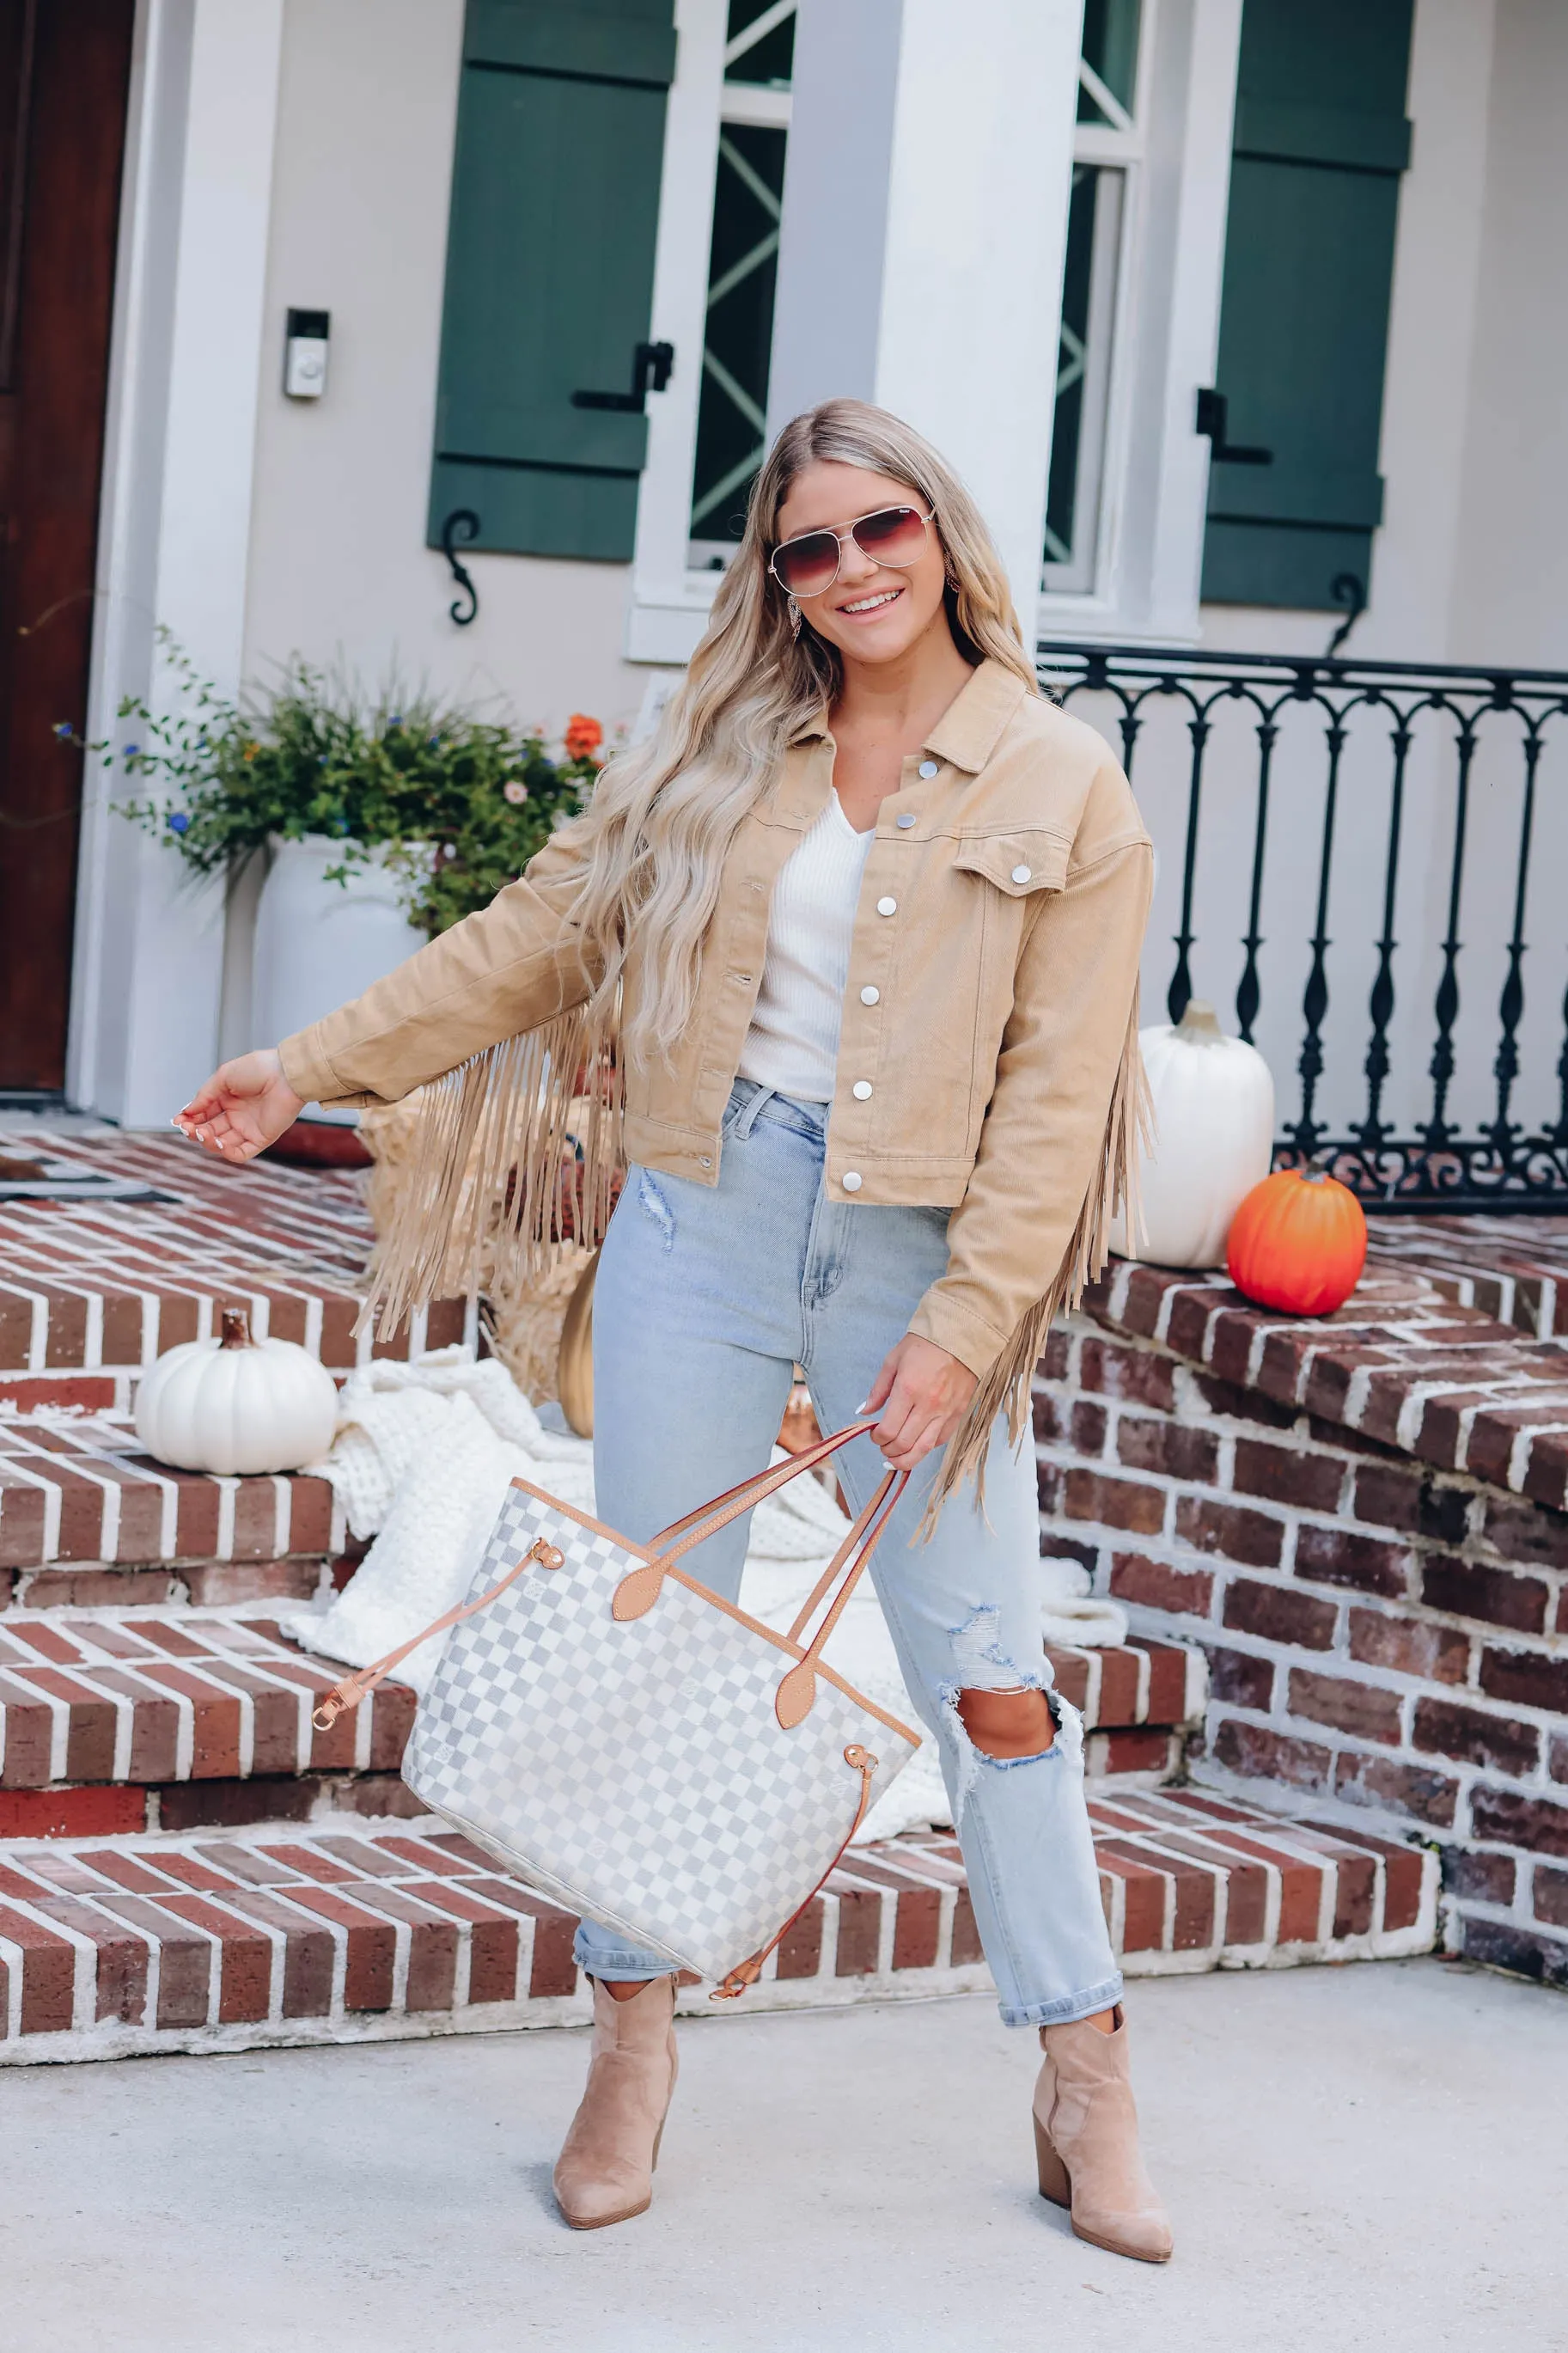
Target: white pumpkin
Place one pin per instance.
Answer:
(236, 1405)
(1214, 1114)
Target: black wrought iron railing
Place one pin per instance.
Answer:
(1367, 861)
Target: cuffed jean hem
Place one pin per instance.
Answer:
(620, 1965)
(1071, 2007)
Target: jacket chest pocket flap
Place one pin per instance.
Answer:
(1026, 860)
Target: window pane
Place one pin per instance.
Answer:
(1109, 50)
(732, 418)
(770, 58)
(1083, 375)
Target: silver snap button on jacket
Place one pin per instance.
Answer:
(1021, 873)
(851, 1180)
(887, 906)
(869, 996)
(928, 767)
(861, 1090)
(906, 820)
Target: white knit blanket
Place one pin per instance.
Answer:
(422, 1460)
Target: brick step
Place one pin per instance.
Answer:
(117, 1721)
(87, 1518)
(275, 1935)
(92, 1290)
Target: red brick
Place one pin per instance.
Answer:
(1262, 1754)
(1551, 1897)
(1334, 1556)
(1144, 1883)
(1175, 1449)
(1287, 1474)
(372, 1946)
(800, 1946)
(966, 1946)
(1443, 1728)
(245, 1959)
(48, 1973)
(493, 1939)
(98, 1588)
(1239, 1403)
(230, 1805)
(1140, 1748)
(859, 1930)
(1057, 1361)
(1481, 1878)
(1524, 1532)
(121, 1959)
(1426, 1796)
(1051, 1417)
(1167, 1679)
(1071, 1671)
(1276, 1613)
(1527, 1678)
(1118, 1679)
(1242, 1678)
(1496, 1944)
(154, 1724)
(1498, 1597)
(1135, 1375)
(215, 1584)
(1086, 1425)
(1437, 1439)
(432, 1947)
(1115, 1502)
(553, 1970)
(1557, 1756)
(1511, 1821)
(1239, 1534)
(1409, 1646)
(308, 1952)
(1394, 1498)
(29, 1723)
(1364, 1709)
(917, 1917)
(184, 1957)
(100, 1812)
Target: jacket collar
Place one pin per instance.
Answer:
(970, 728)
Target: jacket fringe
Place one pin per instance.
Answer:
(515, 1160)
(1128, 1125)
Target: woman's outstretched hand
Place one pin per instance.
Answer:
(921, 1394)
(244, 1106)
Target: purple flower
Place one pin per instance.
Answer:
(64, 730)
(131, 749)
(178, 821)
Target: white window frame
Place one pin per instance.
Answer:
(1174, 151)
(670, 599)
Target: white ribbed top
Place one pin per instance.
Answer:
(792, 1042)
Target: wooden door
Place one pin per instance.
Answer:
(64, 73)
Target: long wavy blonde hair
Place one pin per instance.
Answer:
(665, 812)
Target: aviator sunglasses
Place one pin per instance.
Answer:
(808, 566)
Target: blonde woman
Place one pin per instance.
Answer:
(851, 950)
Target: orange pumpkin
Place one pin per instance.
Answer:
(1298, 1242)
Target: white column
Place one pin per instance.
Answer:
(925, 215)
(175, 526)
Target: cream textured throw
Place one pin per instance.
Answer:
(422, 1460)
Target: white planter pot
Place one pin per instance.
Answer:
(319, 943)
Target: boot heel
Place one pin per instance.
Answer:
(1054, 2182)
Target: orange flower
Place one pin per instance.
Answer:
(583, 736)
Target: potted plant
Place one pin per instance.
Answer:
(384, 819)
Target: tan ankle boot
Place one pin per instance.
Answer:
(604, 2171)
(1086, 2139)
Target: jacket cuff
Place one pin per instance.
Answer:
(312, 1076)
(946, 1321)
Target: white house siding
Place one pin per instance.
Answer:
(1471, 563)
(339, 569)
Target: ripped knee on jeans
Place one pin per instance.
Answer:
(1008, 1723)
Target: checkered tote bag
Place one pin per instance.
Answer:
(630, 1744)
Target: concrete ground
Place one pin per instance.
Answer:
(1370, 2156)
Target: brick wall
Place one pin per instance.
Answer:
(1386, 1638)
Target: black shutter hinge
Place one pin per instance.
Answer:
(1210, 421)
(651, 365)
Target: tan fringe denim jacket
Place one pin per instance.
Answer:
(988, 1061)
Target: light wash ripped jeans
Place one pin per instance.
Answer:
(706, 1299)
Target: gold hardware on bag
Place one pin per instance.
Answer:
(357, 1686)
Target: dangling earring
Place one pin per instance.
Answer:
(793, 611)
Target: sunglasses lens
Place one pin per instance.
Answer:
(809, 564)
(894, 535)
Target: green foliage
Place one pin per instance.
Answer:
(462, 802)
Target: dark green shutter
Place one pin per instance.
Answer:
(1321, 140)
(549, 270)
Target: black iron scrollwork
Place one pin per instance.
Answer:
(462, 523)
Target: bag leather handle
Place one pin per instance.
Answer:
(640, 1587)
(346, 1695)
(796, 1695)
